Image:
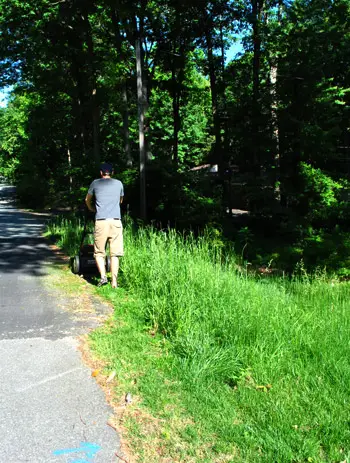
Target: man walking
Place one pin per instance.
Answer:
(108, 194)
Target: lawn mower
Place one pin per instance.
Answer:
(84, 262)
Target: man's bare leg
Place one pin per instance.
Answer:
(101, 265)
(114, 270)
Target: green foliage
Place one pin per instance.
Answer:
(194, 139)
(13, 136)
(320, 191)
(274, 119)
(329, 250)
(185, 199)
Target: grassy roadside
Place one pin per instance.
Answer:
(223, 367)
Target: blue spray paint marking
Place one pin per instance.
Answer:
(89, 449)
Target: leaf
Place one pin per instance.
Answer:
(111, 376)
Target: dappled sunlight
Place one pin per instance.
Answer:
(22, 247)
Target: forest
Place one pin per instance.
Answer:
(229, 116)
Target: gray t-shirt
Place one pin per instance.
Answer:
(107, 192)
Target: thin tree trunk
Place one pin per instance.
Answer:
(78, 107)
(145, 92)
(95, 110)
(222, 46)
(141, 117)
(96, 126)
(177, 80)
(275, 130)
(256, 11)
(274, 121)
(81, 135)
(227, 187)
(69, 159)
(214, 97)
(126, 130)
(176, 117)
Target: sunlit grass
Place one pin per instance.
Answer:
(260, 366)
(67, 233)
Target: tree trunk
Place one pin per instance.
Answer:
(126, 125)
(275, 131)
(275, 135)
(176, 116)
(177, 74)
(222, 46)
(78, 100)
(214, 97)
(95, 126)
(126, 131)
(141, 120)
(145, 91)
(95, 110)
(69, 159)
(256, 11)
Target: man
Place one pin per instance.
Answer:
(108, 194)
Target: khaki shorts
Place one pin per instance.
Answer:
(109, 230)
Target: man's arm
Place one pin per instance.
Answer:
(88, 202)
(121, 193)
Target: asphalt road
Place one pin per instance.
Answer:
(51, 409)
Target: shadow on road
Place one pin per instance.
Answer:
(22, 248)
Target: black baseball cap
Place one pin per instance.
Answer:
(106, 168)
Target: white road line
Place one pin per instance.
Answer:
(47, 380)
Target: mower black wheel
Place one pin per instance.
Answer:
(76, 264)
(108, 263)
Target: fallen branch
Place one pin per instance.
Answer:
(121, 458)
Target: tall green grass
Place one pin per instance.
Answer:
(67, 233)
(264, 363)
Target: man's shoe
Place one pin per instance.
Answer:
(102, 282)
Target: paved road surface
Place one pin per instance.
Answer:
(51, 410)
